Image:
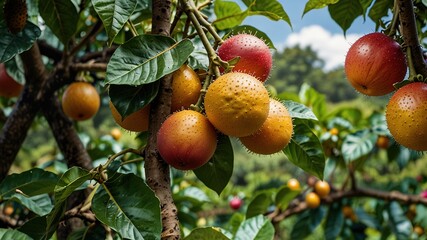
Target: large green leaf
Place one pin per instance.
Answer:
(345, 12)
(313, 99)
(127, 205)
(272, 9)
(305, 150)
(258, 205)
(39, 204)
(32, 182)
(317, 4)
(250, 30)
(365, 5)
(70, 180)
(298, 110)
(114, 14)
(147, 58)
(334, 221)
(13, 234)
(255, 228)
(207, 233)
(400, 224)
(307, 222)
(379, 10)
(11, 44)
(129, 99)
(228, 14)
(34, 227)
(61, 17)
(357, 145)
(90, 232)
(216, 173)
(284, 196)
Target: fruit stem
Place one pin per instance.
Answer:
(132, 28)
(391, 30)
(412, 70)
(123, 152)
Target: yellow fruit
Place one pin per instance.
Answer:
(237, 104)
(334, 131)
(8, 210)
(136, 122)
(186, 87)
(322, 188)
(293, 184)
(116, 133)
(80, 101)
(418, 230)
(312, 200)
(274, 135)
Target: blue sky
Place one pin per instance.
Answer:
(315, 29)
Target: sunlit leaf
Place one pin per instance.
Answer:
(317, 4)
(298, 110)
(357, 145)
(272, 9)
(258, 227)
(228, 14)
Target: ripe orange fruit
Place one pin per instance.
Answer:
(80, 101)
(293, 184)
(186, 140)
(418, 230)
(255, 56)
(274, 135)
(8, 210)
(135, 122)
(15, 15)
(312, 200)
(322, 188)
(374, 63)
(334, 131)
(237, 104)
(382, 142)
(406, 116)
(186, 88)
(347, 211)
(116, 133)
(8, 86)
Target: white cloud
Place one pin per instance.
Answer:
(330, 47)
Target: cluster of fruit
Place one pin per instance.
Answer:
(373, 65)
(321, 189)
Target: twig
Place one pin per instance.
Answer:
(92, 67)
(86, 38)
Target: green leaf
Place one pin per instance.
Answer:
(70, 181)
(147, 58)
(272, 9)
(345, 12)
(90, 232)
(207, 233)
(298, 110)
(11, 44)
(199, 60)
(305, 150)
(307, 222)
(259, 228)
(129, 99)
(258, 205)
(252, 31)
(192, 194)
(114, 14)
(32, 182)
(379, 10)
(216, 173)
(317, 4)
(399, 223)
(127, 205)
(39, 204)
(334, 221)
(13, 234)
(313, 99)
(15, 69)
(228, 14)
(34, 227)
(365, 5)
(284, 196)
(61, 17)
(358, 145)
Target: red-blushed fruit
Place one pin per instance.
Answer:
(322, 188)
(8, 86)
(80, 101)
(237, 104)
(135, 122)
(186, 140)
(15, 15)
(255, 57)
(236, 203)
(423, 194)
(293, 184)
(312, 200)
(275, 133)
(374, 63)
(406, 116)
(186, 88)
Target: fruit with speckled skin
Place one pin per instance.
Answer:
(275, 133)
(255, 57)
(15, 15)
(186, 87)
(135, 122)
(8, 86)
(80, 101)
(406, 116)
(237, 104)
(186, 140)
(374, 63)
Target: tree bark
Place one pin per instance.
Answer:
(156, 169)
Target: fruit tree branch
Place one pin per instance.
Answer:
(409, 32)
(156, 169)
